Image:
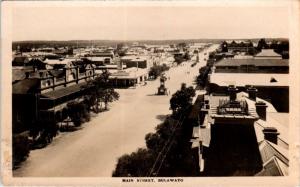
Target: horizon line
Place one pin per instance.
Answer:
(130, 40)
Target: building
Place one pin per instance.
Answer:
(41, 97)
(98, 61)
(135, 61)
(238, 46)
(271, 87)
(20, 61)
(128, 77)
(255, 65)
(239, 134)
(101, 54)
(269, 76)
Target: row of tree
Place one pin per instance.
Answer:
(168, 150)
(201, 79)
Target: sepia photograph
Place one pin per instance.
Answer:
(150, 93)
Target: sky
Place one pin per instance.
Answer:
(148, 23)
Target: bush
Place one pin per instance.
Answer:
(75, 111)
(21, 148)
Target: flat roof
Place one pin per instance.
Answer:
(255, 79)
(252, 61)
(59, 61)
(96, 58)
(129, 73)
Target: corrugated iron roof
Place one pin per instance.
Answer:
(268, 150)
(256, 62)
(26, 86)
(64, 91)
(268, 53)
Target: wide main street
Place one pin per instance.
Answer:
(93, 150)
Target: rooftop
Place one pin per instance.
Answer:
(255, 79)
(58, 61)
(26, 86)
(274, 119)
(241, 149)
(222, 107)
(268, 53)
(252, 61)
(96, 58)
(129, 73)
(64, 91)
(275, 159)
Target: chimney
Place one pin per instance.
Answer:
(232, 90)
(261, 109)
(271, 134)
(252, 93)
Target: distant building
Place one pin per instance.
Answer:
(238, 46)
(269, 76)
(61, 63)
(128, 77)
(268, 54)
(99, 61)
(272, 87)
(256, 65)
(136, 61)
(20, 60)
(101, 54)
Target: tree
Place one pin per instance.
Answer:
(108, 95)
(20, 148)
(224, 47)
(156, 141)
(137, 164)
(76, 111)
(203, 75)
(274, 44)
(100, 90)
(157, 70)
(187, 56)
(178, 59)
(182, 45)
(120, 50)
(182, 99)
(168, 151)
(262, 44)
